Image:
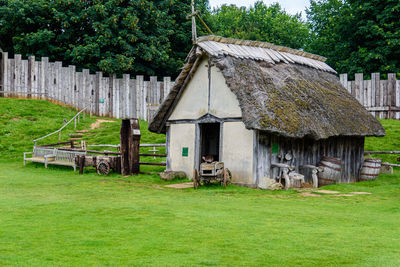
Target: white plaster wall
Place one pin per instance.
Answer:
(194, 100)
(237, 152)
(182, 135)
(223, 102)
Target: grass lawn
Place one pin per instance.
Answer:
(56, 217)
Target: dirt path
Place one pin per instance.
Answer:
(182, 185)
(96, 124)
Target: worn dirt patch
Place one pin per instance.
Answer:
(344, 195)
(360, 193)
(327, 192)
(96, 124)
(308, 194)
(123, 181)
(183, 185)
(15, 119)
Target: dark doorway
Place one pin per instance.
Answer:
(209, 141)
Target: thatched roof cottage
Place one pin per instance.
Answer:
(250, 103)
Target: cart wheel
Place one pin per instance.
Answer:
(103, 168)
(227, 177)
(195, 179)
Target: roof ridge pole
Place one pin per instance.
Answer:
(194, 33)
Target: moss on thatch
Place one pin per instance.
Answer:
(295, 101)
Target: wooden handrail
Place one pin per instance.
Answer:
(65, 125)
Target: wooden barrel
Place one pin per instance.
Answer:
(370, 169)
(331, 174)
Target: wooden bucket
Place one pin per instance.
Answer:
(370, 169)
(331, 174)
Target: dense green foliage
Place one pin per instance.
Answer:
(357, 35)
(260, 22)
(114, 36)
(54, 216)
(153, 37)
(137, 37)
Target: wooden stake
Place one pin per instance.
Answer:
(134, 145)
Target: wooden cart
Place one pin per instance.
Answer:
(211, 172)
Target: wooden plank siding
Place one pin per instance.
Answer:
(126, 97)
(380, 97)
(308, 151)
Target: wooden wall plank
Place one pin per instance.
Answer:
(114, 96)
(106, 110)
(158, 93)
(152, 90)
(24, 78)
(57, 79)
(111, 95)
(117, 103)
(4, 72)
(145, 100)
(132, 99)
(31, 74)
(368, 86)
(167, 85)
(139, 96)
(99, 75)
(122, 97)
(391, 85)
(17, 74)
(384, 97)
(11, 76)
(5, 77)
(44, 85)
(91, 90)
(359, 87)
(79, 89)
(36, 81)
(125, 88)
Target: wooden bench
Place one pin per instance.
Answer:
(53, 156)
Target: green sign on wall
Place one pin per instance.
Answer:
(185, 151)
(275, 148)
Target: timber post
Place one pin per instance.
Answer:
(134, 145)
(124, 146)
(130, 142)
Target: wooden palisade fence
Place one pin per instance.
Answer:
(380, 97)
(110, 96)
(128, 97)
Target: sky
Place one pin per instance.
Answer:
(291, 6)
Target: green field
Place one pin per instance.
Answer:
(55, 217)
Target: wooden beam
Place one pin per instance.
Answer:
(390, 164)
(152, 155)
(381, 152)
(153, 163)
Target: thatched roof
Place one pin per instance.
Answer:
(292, 99)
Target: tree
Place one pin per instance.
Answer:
(260, 22)
(114, 36)
(355, 35)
